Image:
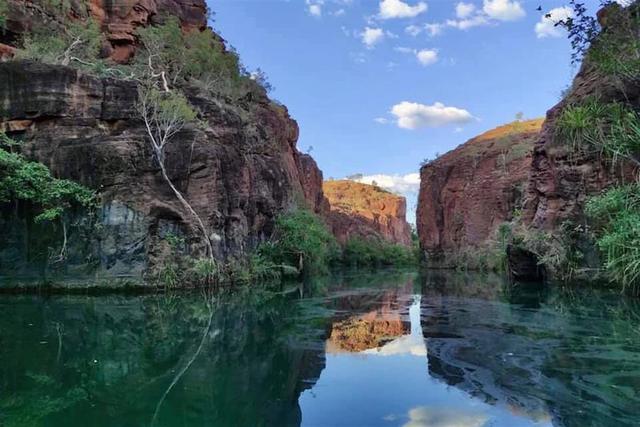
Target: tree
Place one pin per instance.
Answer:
(165, 114)
(22, 179)
(75, 41)
(173, 56)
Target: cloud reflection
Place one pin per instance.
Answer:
(425, 416)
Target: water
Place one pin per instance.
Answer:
(361, 350)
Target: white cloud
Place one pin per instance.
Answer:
(372, 36)
(413, 30)
(314, 7)
(403, 49)
(425, 416)
(424, 56)
(381, 120)
(503, 10)
(401, 184)
(465, 24)
(464, 10)
(413, 115)
(547, 25)
(390, 9)
(433, 29)
(427, 56)
(339, 12)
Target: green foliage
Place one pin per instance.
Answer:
(4, 10)
(616, 49)
(611, 129)
(166, 111)
(616, 214)
(558, 251)
(175, 242)
(169, 275)
(359, 252)
(300, 240)
(21, 179)
(197, 55)
(75, 42)
(205, 270)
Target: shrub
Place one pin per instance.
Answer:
(22, 179)
(74, 42)
(198, 55)
(360, 252)
(557, 251)
(612, 130)
(616, 214)
(300, 240)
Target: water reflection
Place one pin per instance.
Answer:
(356, 350)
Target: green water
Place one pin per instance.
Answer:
(356, 350)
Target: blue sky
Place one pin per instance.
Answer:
(378, 85)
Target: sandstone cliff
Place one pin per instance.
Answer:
(117, 20)
(239, 169)
(468, 192)
(561, 177)
(362, 210)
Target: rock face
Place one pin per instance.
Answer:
(561, 180)
(239, 170)
(362, 210)
(468, 192)
(118, 20)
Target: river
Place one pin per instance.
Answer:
(440, 349)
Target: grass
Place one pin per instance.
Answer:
(616, 215)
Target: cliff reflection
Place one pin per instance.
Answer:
(538, 354)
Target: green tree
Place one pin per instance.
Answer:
(74, 42)
(28, 181)
(300, 239)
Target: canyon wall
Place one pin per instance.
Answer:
(239, 166)
(366, 211)
(468, 192)
(117, 20)
(561, 179)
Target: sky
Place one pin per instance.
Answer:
(377, 86)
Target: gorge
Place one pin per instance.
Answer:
(171, 255)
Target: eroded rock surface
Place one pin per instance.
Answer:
(468, 192)
(118, 20)
(239, 170)
(367, 211)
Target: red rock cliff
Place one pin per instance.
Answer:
(468, 192)
(118, 20)
(239, 171)
(366, 211)
(560, 179)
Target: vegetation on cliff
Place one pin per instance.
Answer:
(596, 127)
(51, 199)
